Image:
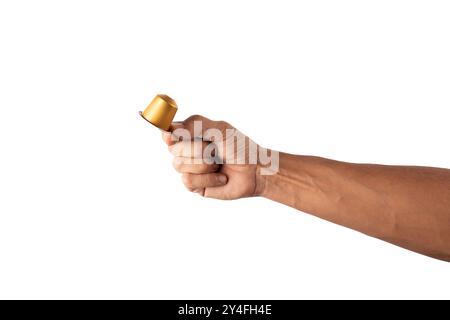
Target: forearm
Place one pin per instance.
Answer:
(407, 206)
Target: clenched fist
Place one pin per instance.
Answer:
(215, 159)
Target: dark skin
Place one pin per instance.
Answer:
(405, 205)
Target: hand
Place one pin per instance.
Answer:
(210, 160)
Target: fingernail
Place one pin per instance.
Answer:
(223, 179)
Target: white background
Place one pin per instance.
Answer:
(90, 205)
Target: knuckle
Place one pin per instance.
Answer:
(174, 149)
(177, 163)
(195, 117)
(205, 168)
(188, 181)
(181, 149)
(204, 180)
(222, 124)
(200, 168)
(211, 167)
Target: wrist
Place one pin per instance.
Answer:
(260, 182)
(265, 175)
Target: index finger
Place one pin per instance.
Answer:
(168, 136)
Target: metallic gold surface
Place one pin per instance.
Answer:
(160, 112)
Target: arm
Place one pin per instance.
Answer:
(406, 206)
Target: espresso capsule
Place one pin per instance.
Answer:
(160, 112)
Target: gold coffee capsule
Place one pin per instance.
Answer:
(160, 112)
